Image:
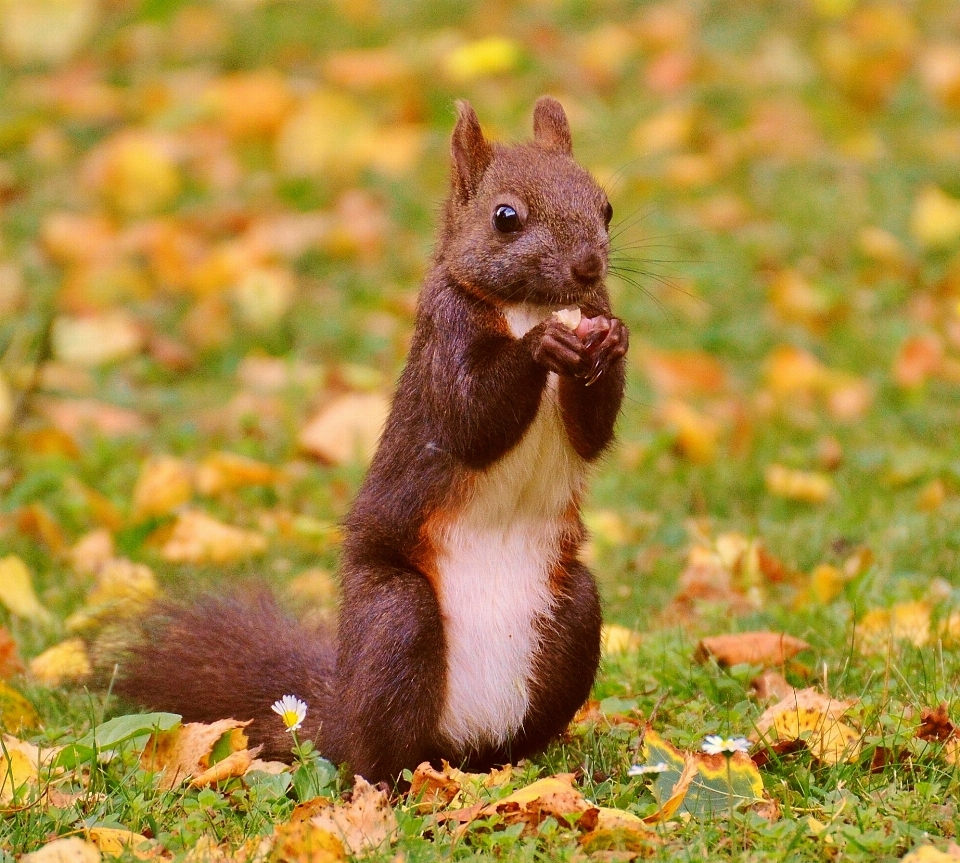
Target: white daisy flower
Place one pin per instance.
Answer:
(714, 744)
(291, 710)
(643, 769)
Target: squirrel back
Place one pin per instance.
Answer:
(468, 628)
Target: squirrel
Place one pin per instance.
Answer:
(468, 628)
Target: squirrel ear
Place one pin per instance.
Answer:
(551, 130)
(470, 152)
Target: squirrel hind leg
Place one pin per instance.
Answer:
(232, 658)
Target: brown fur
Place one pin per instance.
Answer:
(467, 396)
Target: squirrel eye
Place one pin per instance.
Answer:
(506, 220)
(607, 214)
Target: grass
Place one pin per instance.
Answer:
(789, 156)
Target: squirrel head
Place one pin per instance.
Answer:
(525, 222)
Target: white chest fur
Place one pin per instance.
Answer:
(494, 564)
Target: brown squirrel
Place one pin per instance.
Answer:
(468, 629)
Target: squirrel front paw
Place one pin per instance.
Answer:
(560, 350)
(606, 340)
(585, 352)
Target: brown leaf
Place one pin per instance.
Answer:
(348, 426)
(199, 538)
(365, 823)
(770, 684)
(753, 648)
(302, 841)
(432, 789)
(183, 752)
(77, 417)
(10, 662)
(935, 724)
(164, 483)
(235, 764)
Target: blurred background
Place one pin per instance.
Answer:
(214, 217)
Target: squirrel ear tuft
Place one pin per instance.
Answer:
(551, 130)
(470, 152)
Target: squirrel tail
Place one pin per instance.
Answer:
(233, 658)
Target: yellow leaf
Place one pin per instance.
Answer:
(301, 841)
(223, 472)
(164, 483)
(235, 764)
(494, 55)
(348, 426)
(905, 621)
(616, 639)
(121, 581)
(16, 713)
(16, 590)
(45, 31)
(116, 842)
(19, 766)
(930, 854)
(809, 716)
(95, 340)
(183, 753)
(92, 551)
(935, 222)
(250, 104)
(71, 849)
(6, 404)
(66, 662)
(263, 296)
(365, 823)
(826, 583)
(136, 172)
(800, 485)
(199, 538)
(696, 433)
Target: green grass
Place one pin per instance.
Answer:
(705, 287)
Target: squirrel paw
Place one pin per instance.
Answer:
(606, 340)
(561, 350)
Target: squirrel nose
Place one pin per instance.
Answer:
(588, 268)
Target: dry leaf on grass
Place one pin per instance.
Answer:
(935, 724)
(66, 662)
(800, 485)
(348, 426)
(10, 662)
(200, 538)
(222, 472)
(880, 628)
(16, 713)
(184, 752)
(76, 417)
(16, 590)
(363, 824)
(116, 842)
(616, 639)
(92, 551)
(71, 849)
(809, 717)
(302, 841)
(20, 764)
(932, 854)
(94, 341)
(752, 648)
(164, 483)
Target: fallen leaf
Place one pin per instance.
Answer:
(47, 32)
(919, 359)
(302, 841)
(164, 483)
(223, 472)
(10, 662)
(71, 849)
(752, 648)
(363, 824)
(493, 55)
(16, 590)
(432, 789)
(77, 417)
(235, 764)
(346, 427)
(769, 685)
(935, 724)
(96, 340)
(20, 764)
(184, 752)
(199, 538)
(263, 296)
(16, 713)
(66, 662)
(92, 551)
(880, 628)
(615, 639)
(935, 221)
(697, 435)
(932, 854)
(115, 842)
(800, 485)
(812, 718)
(681, 374)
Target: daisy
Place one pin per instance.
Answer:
(714, 744)
(291, 710)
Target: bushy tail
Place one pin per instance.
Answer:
(231, 658)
